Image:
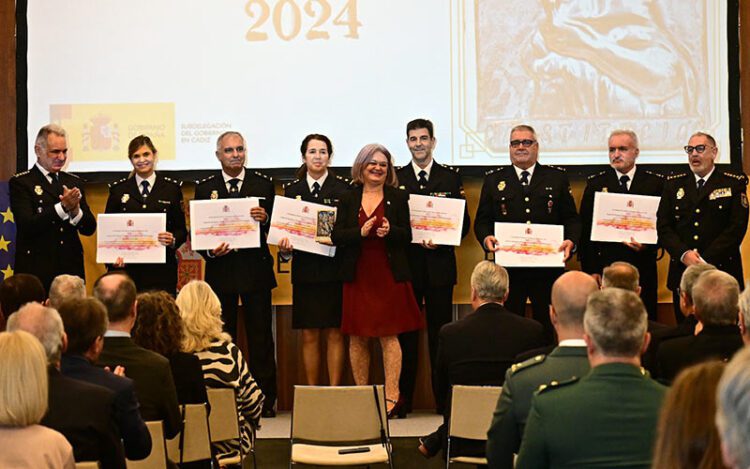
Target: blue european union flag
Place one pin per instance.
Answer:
(7, 233)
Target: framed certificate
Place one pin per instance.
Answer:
(529, 245)
(217, 221)
(132, 236)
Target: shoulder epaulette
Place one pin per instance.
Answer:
(659, 175)
(559, 168)
(739, 177)
(343, 179)
(290, 183)
(453, 168)
(597, 175)
(205, 179)
(113, 184)
(676, 176)
(495, 170)
(22, 173)
(352, 183)
(265, 176)
(173, 181)
(556, 385)
(515, 368)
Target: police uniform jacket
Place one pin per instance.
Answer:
(308, 267)
(713, 221)
(434, 267)
(165, 196)
(522, 380)
(47, 245)
(348, 238)
(606, 419)
(595, 256)
(241, 270)
(548, 201)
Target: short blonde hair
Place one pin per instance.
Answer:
(364, 157)
(23, 379)
(200, 310)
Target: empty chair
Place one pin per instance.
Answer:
(471, 415)
(194, 442)
(158, 457)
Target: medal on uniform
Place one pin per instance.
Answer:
(549, 207)
(38, 190)
(503, 209)
(680, 193)
(125, 198)
(501, 186)
(214, 194)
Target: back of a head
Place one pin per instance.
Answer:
(687, 436)
(621, 275)
(18, 290)
(117, 292)
(200, 310)
(733, 409)
(716, 298)
(42, 322)
(489, 281)
(66, 287)
(570, 293)
(23, 380)
(690, 276)
(85, 320)
(158, 326)
(616, 322)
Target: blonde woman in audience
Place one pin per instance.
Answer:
(23, 402)
(687, 435)
(221, 360)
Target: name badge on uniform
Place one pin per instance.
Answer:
(38, 190)
(125, 198)
(680, 193)
(720, 193)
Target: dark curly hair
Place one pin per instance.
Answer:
(158, 326)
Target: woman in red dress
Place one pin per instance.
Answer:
(372, 233)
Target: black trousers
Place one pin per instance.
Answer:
(536, 285)
(261, 357)
(438, 305)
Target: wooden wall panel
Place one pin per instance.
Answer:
(7, 90)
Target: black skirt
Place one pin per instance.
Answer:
(316, 305)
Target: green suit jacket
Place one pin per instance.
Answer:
(606, 419)
(521, 382)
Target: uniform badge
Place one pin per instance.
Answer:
(501, 186)
(680, 193)
(720, 193)
(214, 194)
(743, 199)
(125, 198)
(38, 190)
(299, 197)
(604, 189)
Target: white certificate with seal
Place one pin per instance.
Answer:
(620, 217)
(299, 221)
(132, 236)
(529, 245)
(217, 221)
(436, 219)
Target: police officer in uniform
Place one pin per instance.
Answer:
(148, 192)
(702, 216)
(433, 267)
(50, 212)
(624, 177)
(245, 274)
(527, 192)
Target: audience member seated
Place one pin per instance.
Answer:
(687, 435)
(478, 349)
(158, 327)
(23, 402)
(16, 291)
(568, 360)
(685, 328)
(626, 276)
(716, 296)
(154, 386)
(607, 418)
(85, 321)
(83, 412)
(63, 288)
(733, 411)
(222, 361)
(744, 320)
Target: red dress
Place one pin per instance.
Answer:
(375, 305)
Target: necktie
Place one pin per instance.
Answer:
(701, 183)
(316, 189)
(624, 182)
(234, 189)
(422, 179)
(56, 186)
(145, 192)
(525, 181)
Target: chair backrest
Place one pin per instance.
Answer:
(87, 465)
(471, 411)
(196, 443)
(223, 419)
(158, 457)
(338, 413)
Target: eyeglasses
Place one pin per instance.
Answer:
(698, 148)
(230, 150)
(525, 143)
(382, 164)
(621, 149)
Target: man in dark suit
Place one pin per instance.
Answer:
(85, 321)
(245, 274)
(733, 412)
(527, 192)
(568, 360)
(82, 412)
(609, 417)
(716, 296)
(702, 215)
(624, 177)
(479, 348)
(50, 210)
(744, 317)
(154, 384)
(16, 291)
(433, 267)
